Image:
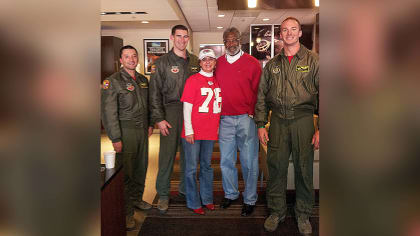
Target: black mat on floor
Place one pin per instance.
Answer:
(201, 226)
(179, 220)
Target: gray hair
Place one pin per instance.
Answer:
(231, 30)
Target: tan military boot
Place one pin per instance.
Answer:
(163, 205)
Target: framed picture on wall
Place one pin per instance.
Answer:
(153, 49)
(219, 49)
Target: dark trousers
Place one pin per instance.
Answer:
(290, 137)
(167, 152)
(135, 158)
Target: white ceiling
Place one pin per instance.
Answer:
(200, 15)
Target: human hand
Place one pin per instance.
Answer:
(263, 136)
(164, 127)
(117, 146)
(315, 140)
(189, 138)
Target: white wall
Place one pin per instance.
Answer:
(206, 38)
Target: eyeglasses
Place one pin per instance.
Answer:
(231, 41)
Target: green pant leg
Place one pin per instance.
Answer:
(303, 158)
(127, 156)
(167, 151)
(279, 149)
(140, 163)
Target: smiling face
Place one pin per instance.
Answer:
(232, 44)
(180, 39)
(129, 59)
(207, 64)
(290, 32)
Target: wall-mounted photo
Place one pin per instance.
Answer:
(153, 49)
(219, 49)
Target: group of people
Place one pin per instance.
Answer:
(193, 102)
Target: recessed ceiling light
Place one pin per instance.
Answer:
(252, 3)
(220, 27)
(266, 19)
(118, 13)
(103, 13)
(145, 22)
(133, 12)
(220, 15)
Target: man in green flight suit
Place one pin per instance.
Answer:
(289, 87)
(124, 112)
(166, 86)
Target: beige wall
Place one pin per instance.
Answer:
(206, 38)
(135, 37)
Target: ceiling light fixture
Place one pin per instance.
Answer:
(220, 27)
(145, 22)
(221, 15)
(266, 19)
(103, 13)
(317, 3)
(252, 3)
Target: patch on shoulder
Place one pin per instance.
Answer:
(106, 84)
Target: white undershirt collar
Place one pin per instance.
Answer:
(206, 74)
(232, 59)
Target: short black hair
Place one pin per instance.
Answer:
(178, 27)
(127, 47)
(232, 30)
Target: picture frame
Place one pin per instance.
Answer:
(153, 49)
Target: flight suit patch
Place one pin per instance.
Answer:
(130, 87)
(153, 69)
(302, 68)
(105, 84)
(194, 69)
(143, 85)
(175, 69)
(276, 70)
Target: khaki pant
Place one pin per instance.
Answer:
(290, 137)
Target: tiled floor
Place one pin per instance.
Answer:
(150, 190)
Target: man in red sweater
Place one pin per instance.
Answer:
(238, 75)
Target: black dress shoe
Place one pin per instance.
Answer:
(226, 202)
(247, 210)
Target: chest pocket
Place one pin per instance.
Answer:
(126, 99)
(306, 82)
(173, 75)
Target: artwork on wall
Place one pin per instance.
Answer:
(153, 49)
(264, 45)
(219, 49)
(261, 43)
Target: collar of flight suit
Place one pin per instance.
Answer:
(178, 57)
(126, 75)
(300, 54)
